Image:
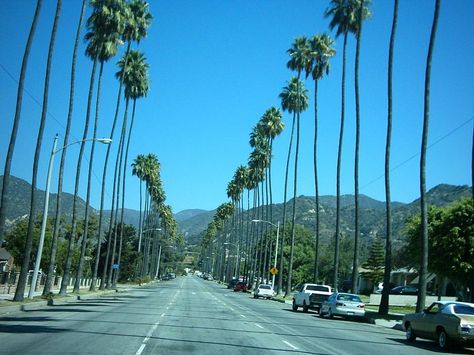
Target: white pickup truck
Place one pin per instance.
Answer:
(311, 296)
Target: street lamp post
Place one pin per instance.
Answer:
(46, 205)
(276, 244)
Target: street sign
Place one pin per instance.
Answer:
(274, 270)
(115, 266)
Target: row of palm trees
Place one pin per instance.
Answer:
(110, 24)
(312, 56)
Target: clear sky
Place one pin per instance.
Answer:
(216, 66)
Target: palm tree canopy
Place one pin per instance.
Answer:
(322, 49)
(135, 78)
(138, 166)
(272, 122)
(294, 97)
(105, 27)
(257, 136)
(138, 21)
(299, 54)
(345, 15)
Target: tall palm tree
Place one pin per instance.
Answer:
(294, 99)
(25, 264)
(384, 302)
(138, 20)
(136, 86)
(54, 242)
(322, 49)
(420, 302)
(16, 122)
(104, 38)
(138, 171)
(361, 13)
(343, 18)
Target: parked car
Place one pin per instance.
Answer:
(342, 304)
(310, 296)
(232, 283)
(240, 286)
(404, 290)
(446, 322)
(264, 291)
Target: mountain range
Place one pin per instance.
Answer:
(192, 222)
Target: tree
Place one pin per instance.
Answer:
(54, 244)
(343, 17)
(321, 51)
(375, 262)
(384, 302)
(451, 231)
(135, 29)
(20, 290)
(420, 303)
(16, 122)
(294, 99)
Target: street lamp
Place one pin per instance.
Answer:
(46, 204)
(276, 244)
(140, 238)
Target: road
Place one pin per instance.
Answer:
(190, 315)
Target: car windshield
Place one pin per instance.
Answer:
(463, 309)
(351, 298)
(266, 287)
(317, 288)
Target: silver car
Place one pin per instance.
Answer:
(264, 291)
(342, 304)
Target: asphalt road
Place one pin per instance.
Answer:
(190, 315)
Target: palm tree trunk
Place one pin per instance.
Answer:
(384, 302)
(123, 187)
(338, 177)
(316, 188)
(420, 302)
(57, 221)
(16, 122)
(104, 176)
(355, 260)
(283, 229)
(88, 194)
(293, 219)
(72, 238)
(20, 290)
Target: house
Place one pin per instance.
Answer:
(6, 260)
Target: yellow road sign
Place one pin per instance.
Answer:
(274, 270)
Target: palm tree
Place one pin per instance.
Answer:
(136, 86)
(384, 302)
(294, 99)
(361, 13)
(343, 18)
(20, 290)
(16, 122)
(420, 302)
(104, 39)
(54, 242)
(138, 20)
(138, 171)
(322, 49)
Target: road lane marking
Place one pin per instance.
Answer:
(243, 316)
(141, 349)
(148, 336)
(258, 325)
(290, 345)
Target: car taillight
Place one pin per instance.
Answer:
(339, 304)
(361, 305)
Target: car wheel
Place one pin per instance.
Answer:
(443, 340)
(295, 307)
(305, 307)
(410, 334)
(255, 296)
(321, 314)
(330, 315)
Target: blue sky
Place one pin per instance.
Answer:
(216, 66)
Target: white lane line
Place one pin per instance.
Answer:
(290, 345)
(243, 316)
(258, 325)
(141, 349)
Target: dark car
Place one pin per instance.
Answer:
(404, 290)
(232, 283)
(240, 286)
